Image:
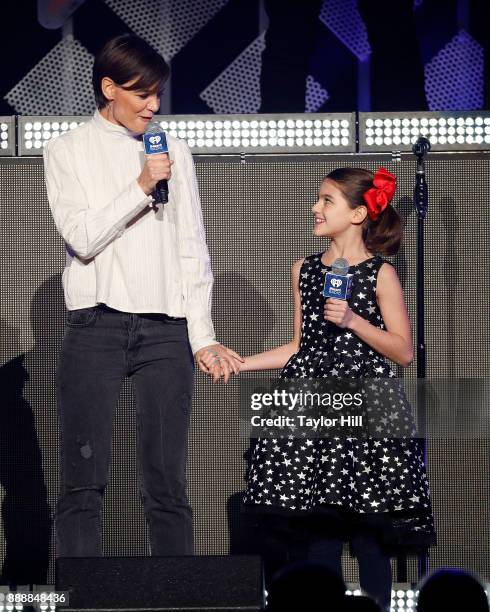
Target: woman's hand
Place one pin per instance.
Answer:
(338, 312)
(218, 360)
(158, 166)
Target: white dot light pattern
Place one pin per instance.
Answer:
(7, 141)
(402, 599)
(301, 133)
(4, 135)
(444, 132)
(262, 134)
(13, 601)
(36, 133)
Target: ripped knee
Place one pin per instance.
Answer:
(85, 448)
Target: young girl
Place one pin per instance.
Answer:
(370, 492)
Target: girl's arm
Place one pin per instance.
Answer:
(395, 342)
(278, 357)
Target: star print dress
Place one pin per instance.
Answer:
(345, 483)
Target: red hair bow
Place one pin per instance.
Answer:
(378, 197)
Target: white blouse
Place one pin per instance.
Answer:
(119, 250)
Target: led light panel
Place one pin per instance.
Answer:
(280, 133)
(221, 134)
(35, 131)
(446, 131)
(403, 595)
(7, 136)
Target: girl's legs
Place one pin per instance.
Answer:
(284, 542)
(374, 567)
(326, 549)
(374, 564)
(274, 545)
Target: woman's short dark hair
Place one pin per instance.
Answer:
(125, 58)
(385, 234)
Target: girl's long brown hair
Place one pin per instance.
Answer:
(382, 236)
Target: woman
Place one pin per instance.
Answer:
(137, 286)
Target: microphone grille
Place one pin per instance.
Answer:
(340, 266)
(153, 128)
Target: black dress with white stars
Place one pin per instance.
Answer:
(345, 482)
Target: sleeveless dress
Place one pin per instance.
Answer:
(343, 483)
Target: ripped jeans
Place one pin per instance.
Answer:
(102, 346)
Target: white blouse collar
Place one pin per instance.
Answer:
(108, 126)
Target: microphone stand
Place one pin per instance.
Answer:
(421, 204)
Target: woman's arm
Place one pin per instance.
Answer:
(86, 230)
(395, 342)
(278, 357)
(195, 265)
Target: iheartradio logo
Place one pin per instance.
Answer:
(336, 282)
(155, 139)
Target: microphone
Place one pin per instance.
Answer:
(338, 282)
(155, 141)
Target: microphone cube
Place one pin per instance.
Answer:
(155, 142)
(337, 286)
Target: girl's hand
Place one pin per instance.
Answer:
(338, 312)
(241, 365)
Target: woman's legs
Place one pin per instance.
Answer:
(100, 347)
(162, 369)
(90, 373)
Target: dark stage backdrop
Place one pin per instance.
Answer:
(258, 221)
(234, 56)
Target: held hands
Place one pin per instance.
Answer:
(338, 312)
(218, 360)
(157, 167)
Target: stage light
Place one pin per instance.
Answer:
(446, 131)
(218, 134)
(353, 590)
(34, 132)
(402, 596)
(297, 133)
(7, 136)
(10, 606)
(402, 599)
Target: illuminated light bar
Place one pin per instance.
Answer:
(446, 131)
(7, 136)
(222, 134)
(267, 133)
(403, 599)
(35, 131)
(403, 596)
(281, 133)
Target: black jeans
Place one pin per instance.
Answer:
(100, 348)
